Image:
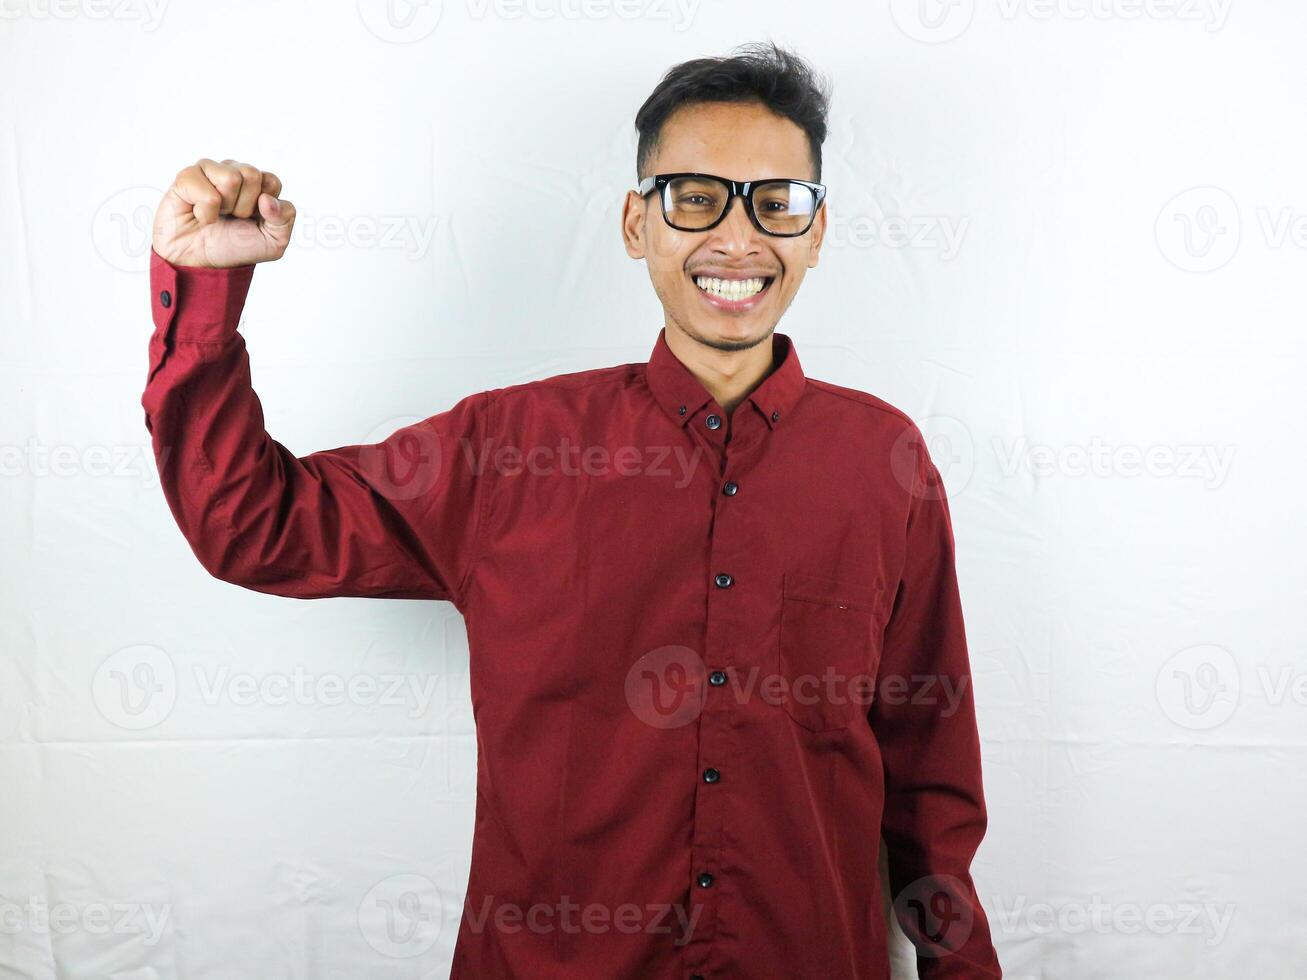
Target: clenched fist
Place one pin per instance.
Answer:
(221, 215)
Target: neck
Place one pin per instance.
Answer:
(728, 375)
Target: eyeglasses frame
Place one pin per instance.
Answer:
(736, 188)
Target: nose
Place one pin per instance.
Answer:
(736, 234)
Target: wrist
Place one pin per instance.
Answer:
(201, 304)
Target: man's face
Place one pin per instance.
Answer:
(740, 141)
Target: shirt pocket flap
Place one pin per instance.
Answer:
(836, 592)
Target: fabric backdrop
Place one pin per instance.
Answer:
(1066, 237)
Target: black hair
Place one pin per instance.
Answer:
(758, 72)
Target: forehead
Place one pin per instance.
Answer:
(743, 141)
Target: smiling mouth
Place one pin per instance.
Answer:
(735, 290)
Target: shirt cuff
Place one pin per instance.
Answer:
(200, 305)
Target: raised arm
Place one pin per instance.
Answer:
(395, 519)
(925, 723)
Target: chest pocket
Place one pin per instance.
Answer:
(830, 636)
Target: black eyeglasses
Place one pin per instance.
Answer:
(778, 206)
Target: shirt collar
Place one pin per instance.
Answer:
(681, 394)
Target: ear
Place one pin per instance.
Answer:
(817, 235)
(633, 216)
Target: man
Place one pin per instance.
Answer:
(716, 641)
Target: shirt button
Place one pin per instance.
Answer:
(681, 410)
(165, 299)
(711, 775)
(731, 488)
(717, 678)
(776, 416)
(723, 580)
(713, 422)
(705, 879)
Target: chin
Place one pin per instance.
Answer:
(734, 334)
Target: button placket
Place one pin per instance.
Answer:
(715, 720)
(729, 550)
(742, 441)
(712, 436)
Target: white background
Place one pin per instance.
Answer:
(1096, 314)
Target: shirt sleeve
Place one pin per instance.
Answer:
(395, 519)
(924, 719)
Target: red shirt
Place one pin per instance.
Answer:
(676, 616)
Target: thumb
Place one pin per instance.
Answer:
(277, 215)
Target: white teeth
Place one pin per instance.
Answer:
(730, 288)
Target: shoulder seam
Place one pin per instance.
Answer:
(885, 407)
(553, 382)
